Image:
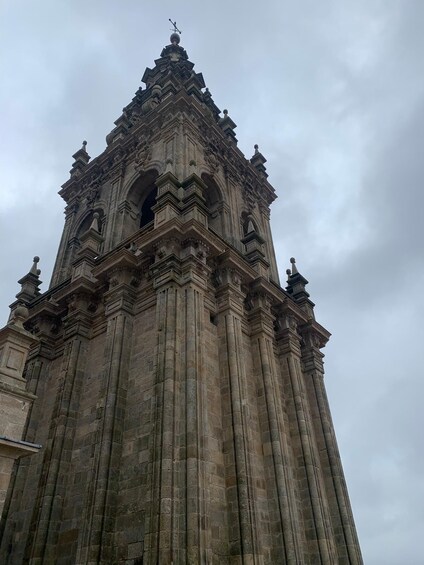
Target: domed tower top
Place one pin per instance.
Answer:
(174, 51)
(175, 38)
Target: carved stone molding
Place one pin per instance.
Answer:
(226, 276)
(197, 248)
(143, 155)
(259, 300)
(166, 247)
(124, 275)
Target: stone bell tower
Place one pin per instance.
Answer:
(178, 389)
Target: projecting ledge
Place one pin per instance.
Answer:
(13, 449)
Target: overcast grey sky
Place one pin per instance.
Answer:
(333, 93)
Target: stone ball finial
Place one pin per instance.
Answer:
(294, 268)
(96, 215)
(225, 112)
(175, 38)
(256, 147)
(84, 145)
(288, 272)
(34, 270)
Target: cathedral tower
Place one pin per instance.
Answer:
(177, 389)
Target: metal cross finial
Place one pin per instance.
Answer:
(175, 30)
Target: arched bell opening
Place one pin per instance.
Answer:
(139, 203)
(147, 214)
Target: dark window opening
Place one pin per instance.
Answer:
(147, 214)
(213, 319)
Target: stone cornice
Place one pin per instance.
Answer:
(13, 449)
(284, 305)
(120, 258)
(17, 391)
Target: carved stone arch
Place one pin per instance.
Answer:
(205, 173)
(202, 170)
(215, 203)
(136, 206)
(153, 164)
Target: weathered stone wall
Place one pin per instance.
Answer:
(216, 443)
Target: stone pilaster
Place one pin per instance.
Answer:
(244, 532)
(270, 256)
(96, 543)
(338, 498)
(25, 475)
(316, 515)
(278, 457)
(125, 216)
(164, 521)
(193, 201)
(110, 232)
(177, 529)
(167, 206)
(195, 276)
(46, 519)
